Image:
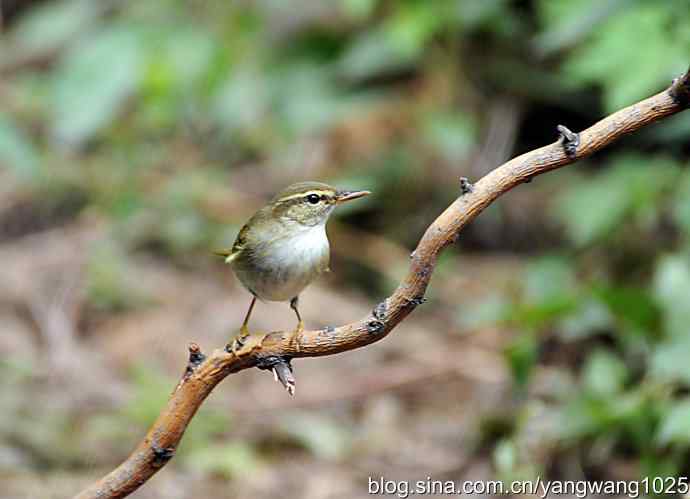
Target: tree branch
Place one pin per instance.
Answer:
(275, 350)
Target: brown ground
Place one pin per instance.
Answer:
(405, 408)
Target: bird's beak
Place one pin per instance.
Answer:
(343, 196)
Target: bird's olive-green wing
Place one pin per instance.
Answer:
(237, 247)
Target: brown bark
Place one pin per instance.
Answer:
(272, 349)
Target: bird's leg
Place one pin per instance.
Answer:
(300, 324)
(244, 329)
(293, 305)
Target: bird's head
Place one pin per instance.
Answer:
(310, 203)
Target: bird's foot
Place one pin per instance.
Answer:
(245, 344)
(294, 335)
(238, 341)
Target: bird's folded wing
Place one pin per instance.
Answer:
(237, 248)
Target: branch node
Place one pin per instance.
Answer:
(195, 360)
(680, 89)
(417, 300)
(195, 357)
(161, 455)
(241, 347)
(375, 327)
(466, 186)
(380, 310)
(424, 272)
(569, 139)
(282, 371)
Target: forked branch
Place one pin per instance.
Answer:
(275, 350)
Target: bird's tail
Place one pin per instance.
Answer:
(227, 254)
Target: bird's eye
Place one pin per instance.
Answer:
(313, 198)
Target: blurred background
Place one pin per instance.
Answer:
(137, 137)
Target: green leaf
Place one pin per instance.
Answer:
(669, 361)
(543, 313)
(359, 9)
(492, 15)
(522, 356)
(242, 100)
(607, 416)
(549, 293)
(549, 278)
(675, 426)
(93, 81)
(634, 307)
(604, 374)
(584, 416)
(51, 24)
(590, 317)
(630, 70)
(483, 312)
(565, 22)
(453, 135)
(371, 54)
(414, 23)
(647, 178)
(593, 209)
(17, 152)
(178, 66)
(671, 289)
(305, 98)
(505, 456)
(189, 53)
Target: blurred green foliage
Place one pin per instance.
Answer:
(146, 108)
(624, 289)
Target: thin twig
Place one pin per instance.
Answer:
(200, 378)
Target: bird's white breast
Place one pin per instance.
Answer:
(289, 264)
(302, 250)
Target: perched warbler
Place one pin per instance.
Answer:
(283, 247)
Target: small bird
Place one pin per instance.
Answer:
(283, 247)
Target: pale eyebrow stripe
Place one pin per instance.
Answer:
(303, 194)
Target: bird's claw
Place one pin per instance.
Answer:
(244, 342)
(238, 341)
